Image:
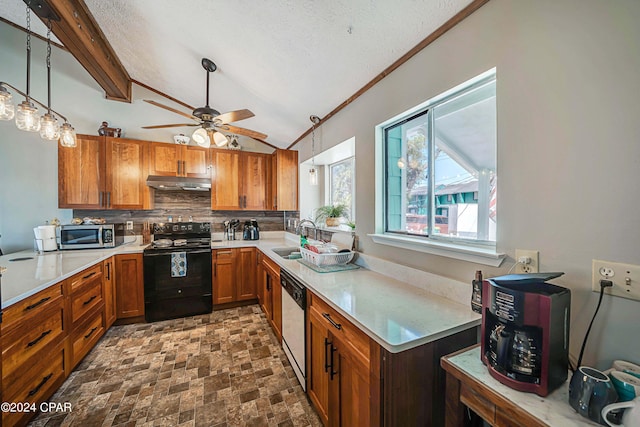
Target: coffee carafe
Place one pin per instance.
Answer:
(250, 230)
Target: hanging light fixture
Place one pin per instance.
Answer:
(220, 139)
(26, 113)
(201, 137)
(313, 173)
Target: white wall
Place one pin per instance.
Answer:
(568, 79)
(28, 164)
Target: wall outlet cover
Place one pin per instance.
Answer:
(625, 278)
(534, 264)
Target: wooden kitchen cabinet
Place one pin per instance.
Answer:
(239, 180)
(284, 171)
(178, 160)
(104, 173)
(271, 292)
(109, 291)
(129, 276)
(234, 275)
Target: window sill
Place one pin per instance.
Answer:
(485, 256)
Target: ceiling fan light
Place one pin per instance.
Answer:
(27, 117)
(68, 135)
(7, 109)
(201, 137)
(49, 127)
(220, 139)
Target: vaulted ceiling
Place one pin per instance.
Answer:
(282, 59)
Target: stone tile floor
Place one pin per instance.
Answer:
(221, 369)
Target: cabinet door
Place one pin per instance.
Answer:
(276, 303)
(79, 174)
(285, 181)
(164, 159)
(224, 276)
(126, 166)
(350, 386)
(225, 185)
(246, 287)
(129, 286)
(254, 181)
(195, 162)
(109, 292)
(318, 357)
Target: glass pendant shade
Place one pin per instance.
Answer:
(201, 137)
(67, 135)
(49, 127)
(7, 109)
(220, 139)
(27, 117)
(313, 176)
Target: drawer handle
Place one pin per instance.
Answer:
(90, 333)
(39, 386)
(224, 252)
(89, 275)
(34, 342)
(328, 317)
(32, 306)
(90, 299)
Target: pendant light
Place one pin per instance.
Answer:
(313, 173)
(26, 113)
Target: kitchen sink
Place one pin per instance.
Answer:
(286, 252)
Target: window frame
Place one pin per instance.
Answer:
(352, 208)
(460, 248)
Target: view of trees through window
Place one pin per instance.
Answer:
(440, 167)
(342, 184)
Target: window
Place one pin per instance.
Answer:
(341, 184)
(439, 168)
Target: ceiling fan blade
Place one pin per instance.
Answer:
(243, 131)
(173, 110)
(234, 116)
(175, 125)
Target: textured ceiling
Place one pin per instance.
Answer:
(282, 59)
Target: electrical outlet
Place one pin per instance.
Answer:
(129, 225)
(625, 278)
(533, 261)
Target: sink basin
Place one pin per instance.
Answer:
(286, 252)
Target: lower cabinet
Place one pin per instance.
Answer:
(234, 275)
(109, 292)
(129, 277)
(271, 294)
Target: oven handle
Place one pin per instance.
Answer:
(199, 251)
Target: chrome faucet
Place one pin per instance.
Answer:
(315, 228)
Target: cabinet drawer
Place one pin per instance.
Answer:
(271, 265)
(477, 403)
(35, 385)
(85, 299)
(341, 327)
(91, 274)
(86, 336)
(221, 254)
(22, 345)
(13, 315)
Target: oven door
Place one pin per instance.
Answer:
(170, 297)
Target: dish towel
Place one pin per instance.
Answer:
(178, 264)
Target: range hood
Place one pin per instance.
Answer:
(178, 183)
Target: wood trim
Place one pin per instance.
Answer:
(164, 95)
(82, 36)
(38, 36)
(455, 20)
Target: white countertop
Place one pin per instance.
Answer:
(553, 409)
(395, 314)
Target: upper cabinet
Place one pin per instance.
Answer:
(103, 173)
(178, 160)
(239, 180)
(285, 180)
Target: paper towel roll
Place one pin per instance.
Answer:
(46, 237)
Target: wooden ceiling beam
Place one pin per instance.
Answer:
(79, 32)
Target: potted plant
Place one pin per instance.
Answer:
(331, 214)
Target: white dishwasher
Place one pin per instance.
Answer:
(294, 300)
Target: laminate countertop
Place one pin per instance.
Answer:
(396, 314)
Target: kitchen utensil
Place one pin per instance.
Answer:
(631, 416)
(590, 390)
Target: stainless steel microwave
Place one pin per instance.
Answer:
(89, 236)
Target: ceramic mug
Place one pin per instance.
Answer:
(627, 367)
(631, 416)
(627, 386)
(590, 390)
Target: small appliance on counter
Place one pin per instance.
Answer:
(91, 236)
(251, 231)
(525, 331)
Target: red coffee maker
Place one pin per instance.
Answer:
(525, 331)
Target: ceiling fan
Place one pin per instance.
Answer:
(211, 123)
